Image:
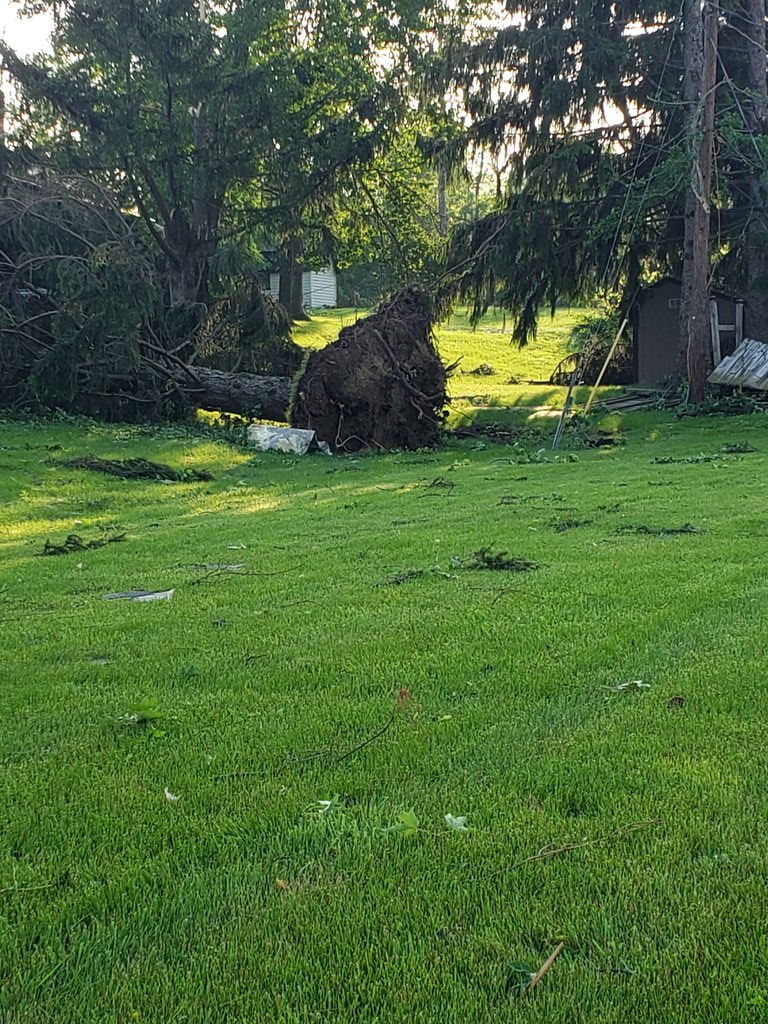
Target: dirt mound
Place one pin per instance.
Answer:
(380, 385)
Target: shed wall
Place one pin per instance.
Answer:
(318, 288)
(656, 335)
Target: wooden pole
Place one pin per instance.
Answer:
(567, 405)
(605, 364)
(699, 348)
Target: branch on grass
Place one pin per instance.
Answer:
(543, 969)
(214, 573)
(548, 851)
(329, 752)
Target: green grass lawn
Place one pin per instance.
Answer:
(276, 688)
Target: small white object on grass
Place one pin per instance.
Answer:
(633, 684)
(169, 796)
(457, 824)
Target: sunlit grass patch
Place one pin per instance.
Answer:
(301, 790)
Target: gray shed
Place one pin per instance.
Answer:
(656, 327)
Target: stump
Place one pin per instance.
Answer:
(381, 385)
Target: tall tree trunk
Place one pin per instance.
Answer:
(756, 111)
(442, 204)
(693, 65)
(284, 290)
(291, 294)
(701, 57)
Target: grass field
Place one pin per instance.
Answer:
(306, 871)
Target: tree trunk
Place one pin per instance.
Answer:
(291, 293)
(701, 56)
(296, 308)
(693, 65)
(284, 292)
(756, 111)
(442, 204)
(242, 393)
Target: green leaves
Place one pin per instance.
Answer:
(407, 823)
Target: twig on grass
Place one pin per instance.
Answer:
(547, 851)
(543, 969)
(214, 573)
(367, 742)
(28, 888)
(236, 775)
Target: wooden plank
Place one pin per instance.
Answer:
(739, 323)
(748, 366)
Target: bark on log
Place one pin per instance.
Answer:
(242, 393)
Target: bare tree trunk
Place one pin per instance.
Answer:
(700, 28)
(242, 393)
(756, 110)
(693, 64)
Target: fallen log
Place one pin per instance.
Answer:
(246, 394)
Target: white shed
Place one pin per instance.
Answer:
(319, 287)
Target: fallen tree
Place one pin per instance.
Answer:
(246, 394)
(83, 328)
(381, 385)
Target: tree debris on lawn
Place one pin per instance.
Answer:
(739, 448)
(76, 543)
(561, 525)
(381, 385)
(543, 969)
(441, 484)
(658, 531)
(141, 595)
(485, 558)
(482, 559)
(137, 469)
(414, 574)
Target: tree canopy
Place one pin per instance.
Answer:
(585, 100)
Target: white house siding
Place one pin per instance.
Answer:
(319, 288)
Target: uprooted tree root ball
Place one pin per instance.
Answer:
(381, 385)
